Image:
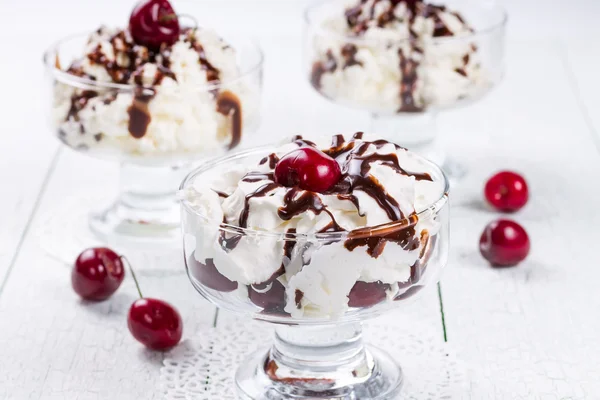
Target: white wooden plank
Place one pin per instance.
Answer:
(528, 332)
(26, 146)
(582, 66)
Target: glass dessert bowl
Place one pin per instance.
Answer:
(259, 241)
(155, 108)
(403, 61)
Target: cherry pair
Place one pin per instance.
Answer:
(98, 273)
(504, 242)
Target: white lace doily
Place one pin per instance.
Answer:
(64, 233)
(203, 368)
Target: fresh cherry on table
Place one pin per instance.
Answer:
(507, 191)
(97, 274)
(367, 294)
(308, 168)
(154, 22)
(208, 275)
(154, 323)
(504, 243)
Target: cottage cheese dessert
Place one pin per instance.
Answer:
(319, 239)
(167, 100)
(396, 56)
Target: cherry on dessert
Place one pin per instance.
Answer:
(504, 243)
(507, 191)
(270, 296)
(308, 168)
(209, 276)
(154, 22)
(97, 274)
(155, 323)
(367, 294)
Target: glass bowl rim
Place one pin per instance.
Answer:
(82, 82)
(315, 4)
(359, 233)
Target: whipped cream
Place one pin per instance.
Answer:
(381, 183)
(167, 109)
(384, 55)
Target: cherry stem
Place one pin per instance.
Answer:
(170, 17)
(137, 285)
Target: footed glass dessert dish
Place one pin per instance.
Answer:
(316, 237)
(154, 97)
(404, 61)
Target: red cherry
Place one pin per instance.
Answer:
(308, 168)
(154, 22)
(507, 191)
(271, 299)
(504, 243)
(155, 323)
(367, 294)
(97, 273)
(209, 276)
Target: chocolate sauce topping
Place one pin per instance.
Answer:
(78, 102)
(360, 19)
(229, 105)
(349, 53)
(254, 176)
(320, 68)
(356, 166)
(139, 116)
(298, 296)
(272, 159)
(297, 201)
(260, 192)
(212, 73)
(221, 194)
(408, 68)
(303, 142)
(128, 67)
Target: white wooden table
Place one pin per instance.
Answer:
(531, 332)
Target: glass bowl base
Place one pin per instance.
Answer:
(127, 226)
(257, 380)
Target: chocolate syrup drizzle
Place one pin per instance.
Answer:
(136, 57)
(139, 116)
(358, 18)
(408, 68)
(272, 159)
(230, 106)
(320, 68)
(355, 177)
(212, 73)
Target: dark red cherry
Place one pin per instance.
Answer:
(209, 276)
(97, 274)
(308, 168)
(155, 323)
(507, 191)
(269, 296)
(154, 22)
(504, 243)
(367, 294)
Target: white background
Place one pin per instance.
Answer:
(531, 332)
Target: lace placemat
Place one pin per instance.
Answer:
(203, 368)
